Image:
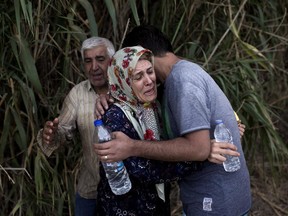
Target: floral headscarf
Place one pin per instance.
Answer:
(120, 71)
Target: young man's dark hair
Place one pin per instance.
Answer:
(150, 38)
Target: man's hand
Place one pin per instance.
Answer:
(219, 149)
(102, 104)
(49, 131)
(119, 148)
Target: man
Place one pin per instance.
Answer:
(193, 101)
(78, 114)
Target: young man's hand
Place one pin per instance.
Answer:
(119, 148)
(219, 149)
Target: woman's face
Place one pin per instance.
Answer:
(144, 81)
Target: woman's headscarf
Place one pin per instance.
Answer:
(120, 70)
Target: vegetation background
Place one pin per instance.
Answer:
(242, 44)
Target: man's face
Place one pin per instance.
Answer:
(96, 62)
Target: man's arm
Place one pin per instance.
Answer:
(59, 131)
(194, 146)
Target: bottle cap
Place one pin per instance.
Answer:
(237, 118)
(98, 122)
(218, 121)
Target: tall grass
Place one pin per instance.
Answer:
(241, 44)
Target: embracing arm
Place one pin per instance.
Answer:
(194, 146)
(145, 170)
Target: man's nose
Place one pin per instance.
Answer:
(95, 65)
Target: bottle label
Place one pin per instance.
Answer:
(207, 204)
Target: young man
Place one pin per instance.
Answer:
(78, 113)
(192, 103)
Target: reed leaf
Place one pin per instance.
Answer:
(178, 27)
(18, 206)
(76, 31)
(27, 12)
(39, 186)
(19, 133)
(60, 207)
(28, 64)
(134, 11)
(5, 133)
(17, 16)
(90, 15)
(112, 13)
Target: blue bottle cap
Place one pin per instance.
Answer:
(98, 122)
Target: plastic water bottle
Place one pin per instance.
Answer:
(222, 134)
(116, 172)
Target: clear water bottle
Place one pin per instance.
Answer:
(222, 134)
(116, 172)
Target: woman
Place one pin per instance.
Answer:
(132, 83)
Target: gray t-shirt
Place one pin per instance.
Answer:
(193, 102)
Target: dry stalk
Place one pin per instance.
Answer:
(9, 177)
(274, 206)
(5, 169)
(125, 32)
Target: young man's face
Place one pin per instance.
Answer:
(96, 61)
(160, 74)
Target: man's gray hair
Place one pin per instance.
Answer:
(93, 42)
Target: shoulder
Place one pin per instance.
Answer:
(186, 69)
(84, 85)
(79, 90)
(113, 110)
(116, 120)
(189, 75)
(114, 114)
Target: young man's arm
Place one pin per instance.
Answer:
(194, 146)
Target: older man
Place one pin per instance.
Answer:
(78, 110)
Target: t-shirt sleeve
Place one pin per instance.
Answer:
(189, 89)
